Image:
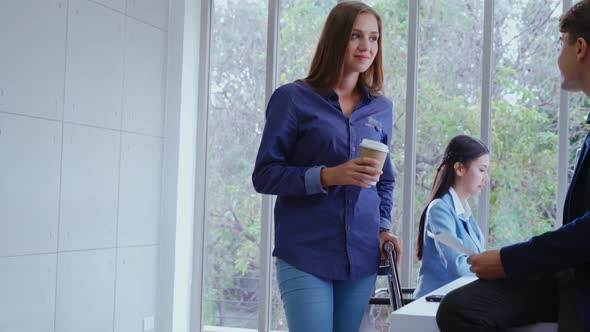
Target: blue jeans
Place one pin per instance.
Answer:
(316, 304)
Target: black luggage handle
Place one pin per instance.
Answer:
(393, 284)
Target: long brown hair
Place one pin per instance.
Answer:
(463, 149)
(326, 67)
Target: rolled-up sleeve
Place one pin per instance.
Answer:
(313, 183)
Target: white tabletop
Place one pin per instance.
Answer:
(420, 315)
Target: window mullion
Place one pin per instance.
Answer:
(563, 148)
(410, 144)
(266, 223)
(486, 107)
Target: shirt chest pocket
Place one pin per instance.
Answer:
(373, 131)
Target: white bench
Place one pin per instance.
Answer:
(420, 316)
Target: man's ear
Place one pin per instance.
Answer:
(581, 48)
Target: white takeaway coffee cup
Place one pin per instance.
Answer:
(376, 150)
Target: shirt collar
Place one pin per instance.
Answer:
(363, 88)
(331, 95)
(366, 93)
(459, 208)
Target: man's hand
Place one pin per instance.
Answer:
(354, 172)
(397, 245)
(487, 265)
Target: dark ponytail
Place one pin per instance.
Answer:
(463, 149)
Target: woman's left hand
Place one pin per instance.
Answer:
(397, 245)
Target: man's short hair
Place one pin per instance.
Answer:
(576, 22)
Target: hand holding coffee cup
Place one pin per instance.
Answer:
(358, 172)
(376, 150)
(363, 171)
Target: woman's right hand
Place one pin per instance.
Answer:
(356, 172)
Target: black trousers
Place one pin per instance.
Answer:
(497, 305)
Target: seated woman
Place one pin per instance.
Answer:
(462, 173)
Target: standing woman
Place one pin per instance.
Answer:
(462, 174)
(329, 223)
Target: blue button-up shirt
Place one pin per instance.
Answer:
(330, 232)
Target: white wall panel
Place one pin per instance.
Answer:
(94, 71)
(27, 285)
(33, 35)
(137, 271)
(154, 12)
(29, 184)
(90, 175)
(85, 291)
(145, 79)
(118, 5)
(82, 88)
(140, 187)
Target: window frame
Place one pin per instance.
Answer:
(203, 50)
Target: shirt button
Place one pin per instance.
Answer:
(350, 201)
(347, 227)
(353, 149)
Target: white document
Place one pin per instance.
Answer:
(450, 241)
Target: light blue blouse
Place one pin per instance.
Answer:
(440, 263)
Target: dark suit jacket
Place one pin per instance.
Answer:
(564, 248)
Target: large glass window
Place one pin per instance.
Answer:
(525, 117)
(449, 87)
(524, 142)
(300, 25)
(235, 118)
